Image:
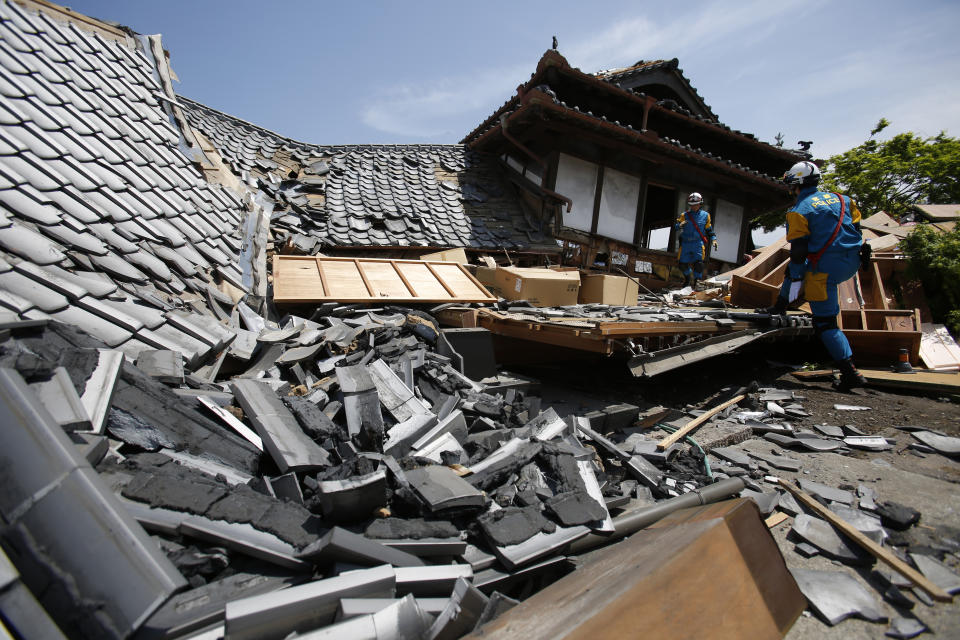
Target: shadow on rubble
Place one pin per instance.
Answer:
(609, 380)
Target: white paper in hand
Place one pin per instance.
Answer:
(794, 290)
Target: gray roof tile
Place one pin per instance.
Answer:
(109, 312)
(42, 297)
(49, 278)
(30, 245)
(93, 324)
(118, 267)
(150, 317)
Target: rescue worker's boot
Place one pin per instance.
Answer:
(686, 280)
(850, 378)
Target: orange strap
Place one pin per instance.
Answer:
(691, 221)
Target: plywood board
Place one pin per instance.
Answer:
(938, 350)
(314, 279)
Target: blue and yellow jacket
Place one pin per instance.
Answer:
(689, 235)
(814, 217)
(690, 240)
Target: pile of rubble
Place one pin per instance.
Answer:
(344, 441)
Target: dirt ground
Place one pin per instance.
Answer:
(924, 481)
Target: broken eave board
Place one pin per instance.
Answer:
(649, 365)
(601, 337)
(312, 279)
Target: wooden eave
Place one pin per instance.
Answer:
(553, 63)
(538, 108)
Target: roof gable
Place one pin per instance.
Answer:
(662, 79)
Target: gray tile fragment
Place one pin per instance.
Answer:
(836, 595)
(432, 580)
(39, 456)
(59, 397)
(301, 608)
(165, 366)
(937, 572)
(355, 498)
(97, 394)
(461, 614)
(401, 618)
(820, 534)
(341, 545)
(441, 488)
(279, 430)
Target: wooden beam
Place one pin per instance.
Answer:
(875, 549)
(696, 422)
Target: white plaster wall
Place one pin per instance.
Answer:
(577, 180)
(727, 221)
(618, 205)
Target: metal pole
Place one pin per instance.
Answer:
(629, 523)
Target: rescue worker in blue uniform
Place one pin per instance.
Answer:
(825, 248)
(696, 232)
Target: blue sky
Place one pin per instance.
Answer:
(394, 72)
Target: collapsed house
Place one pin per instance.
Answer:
(180, 458)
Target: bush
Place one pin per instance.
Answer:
(935, 262)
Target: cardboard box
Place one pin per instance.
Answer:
(488, 278)
(449, 255)
(605, 289)
(542, 287)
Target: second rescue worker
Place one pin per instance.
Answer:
(696, 232)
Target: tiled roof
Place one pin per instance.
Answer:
(104, 222)
(371, 195)
(618, 76)
(608, 81)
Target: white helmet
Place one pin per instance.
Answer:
(803, 173)
(694, 198)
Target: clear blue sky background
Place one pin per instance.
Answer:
(428, 71)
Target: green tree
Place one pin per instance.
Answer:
(934, 259)
(891, 175)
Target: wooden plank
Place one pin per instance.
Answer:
(323, 278)
(748, 293)
(423, 281)
(937, 349)
(921, 380)
(775, 519)
(775, 277)
(403, 278)
(440, 279)
(696, 422)
(875, 549)
(310, 279)
(761, 264)
(385, 280)
(363, 277)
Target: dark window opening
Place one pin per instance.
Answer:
(658, 217)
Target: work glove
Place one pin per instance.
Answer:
(794, 290)
(714, 245)
(779, 309)
(866, 254)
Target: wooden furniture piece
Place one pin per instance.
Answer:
(707, 572)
